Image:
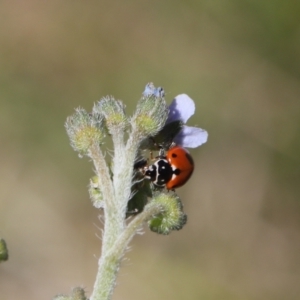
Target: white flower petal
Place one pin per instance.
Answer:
(181, 108)
(191, 137)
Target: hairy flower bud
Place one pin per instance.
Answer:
(78, 293)
(113, 112)
(172, 217)
(84, 130)
(151, 113)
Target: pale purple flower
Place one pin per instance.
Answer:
(181, 109)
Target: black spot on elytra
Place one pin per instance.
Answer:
(176, 172)
(174, 155)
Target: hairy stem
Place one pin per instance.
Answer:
(112, 228)
(116, 194)
(102, 171)
(132, 228)
(110, 262)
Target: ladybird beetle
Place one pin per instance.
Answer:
(171, 170)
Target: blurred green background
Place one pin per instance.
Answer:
(239, 61)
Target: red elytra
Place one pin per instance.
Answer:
(179, 159)
(172, 170)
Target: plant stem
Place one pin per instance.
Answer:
(116, 194)
(116, 234)
(110, 262)
(102, 171)
(113, 226)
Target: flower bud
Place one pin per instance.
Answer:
(151, 113)
(78, 293)
(84, 130)
(172, 217)
(113, 112)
